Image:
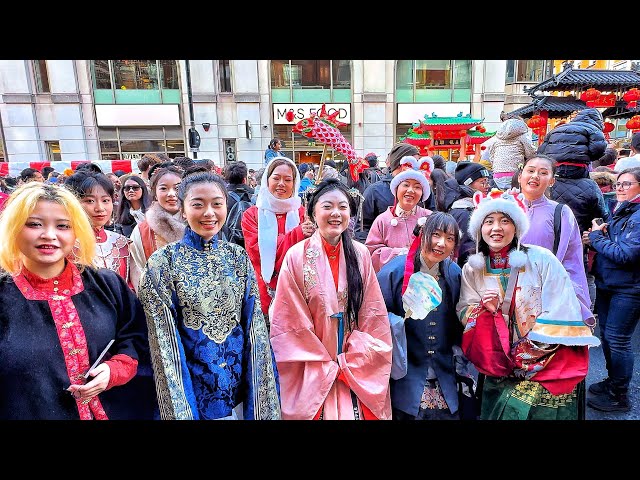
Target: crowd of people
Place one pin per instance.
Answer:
(182, 291)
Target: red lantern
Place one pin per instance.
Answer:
(536, 122)
(289, 116)
(470, 150)
(631, 97)
(438, 135)
(608, 127)
(634, 123)
(590, 96)
(462, 133)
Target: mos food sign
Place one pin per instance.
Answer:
(304, 110)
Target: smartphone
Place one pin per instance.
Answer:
(599, 221)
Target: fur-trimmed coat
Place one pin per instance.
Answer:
(159, 228)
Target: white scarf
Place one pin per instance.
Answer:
(268, 205)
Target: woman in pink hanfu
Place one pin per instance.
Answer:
(333, 349)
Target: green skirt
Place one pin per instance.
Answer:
(508, 398)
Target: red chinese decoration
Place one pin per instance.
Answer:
(536, 122)
(324, 128)
(631, 97)
(633, 124)
(470, 150)
(590, 97)
(607, 128)
(289, 116)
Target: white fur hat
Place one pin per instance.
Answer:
(410, 161)
(426, 165)
(413, 175)
(510, 203)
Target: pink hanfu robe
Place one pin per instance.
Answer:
(304, 338)
(391, 235)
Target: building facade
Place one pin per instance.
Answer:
(73, 110)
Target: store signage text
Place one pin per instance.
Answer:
(447, 141)
(304, 110)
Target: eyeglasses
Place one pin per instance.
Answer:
(135, 188)
(624, 185)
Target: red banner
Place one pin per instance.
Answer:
(605, 101)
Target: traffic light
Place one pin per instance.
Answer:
(194, 138)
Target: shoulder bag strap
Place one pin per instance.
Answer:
(557, 222)
(508, 294)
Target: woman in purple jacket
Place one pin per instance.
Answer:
(535, 177)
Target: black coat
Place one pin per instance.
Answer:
(574, 188)
(458, 202)
(579, 141)
(33, 373)
(429, 341)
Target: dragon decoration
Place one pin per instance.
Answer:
(324, 128)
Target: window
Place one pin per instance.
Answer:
(310, 81)
(532, 71)
(341, 73)
(53, 151)
(132, 143)
(462, 73)
(224, 71)
(433, 81)
(136, 74)
(433, 74)
(42, 76)
(511, 68)
(169, 74)
(101, 74)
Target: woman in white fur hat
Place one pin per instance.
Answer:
(534, 354)
(391, 233)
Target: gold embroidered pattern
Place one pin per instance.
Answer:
(216, 278)
(211, 300)
(534, 394)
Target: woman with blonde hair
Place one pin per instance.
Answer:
(59, 316)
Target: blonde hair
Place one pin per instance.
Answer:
(22, 203)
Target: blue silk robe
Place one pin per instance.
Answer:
(209, 341)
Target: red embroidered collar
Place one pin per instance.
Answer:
(101, 235)
(500, 259)
(34, 287)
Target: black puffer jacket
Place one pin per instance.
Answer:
(579, 141)
(575, 188)
(459, 203)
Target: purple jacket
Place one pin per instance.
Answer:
(570, 247)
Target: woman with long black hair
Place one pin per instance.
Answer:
(329, 328)
(134, 201)
(430, 375)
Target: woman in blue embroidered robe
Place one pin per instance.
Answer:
(209, 342)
